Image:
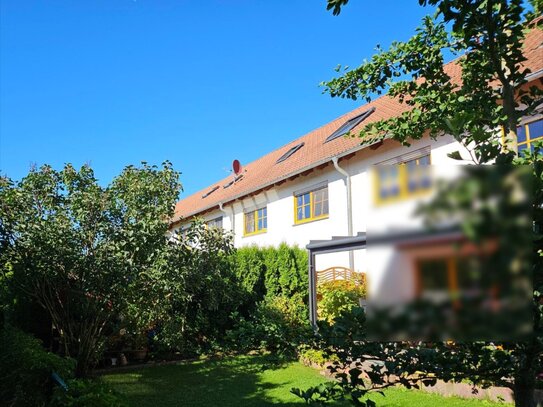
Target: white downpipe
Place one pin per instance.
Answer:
(349, 206)
(232, 218)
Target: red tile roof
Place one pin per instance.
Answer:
(264, 172)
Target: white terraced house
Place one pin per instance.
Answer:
(321, 185)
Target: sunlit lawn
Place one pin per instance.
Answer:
(245, 381)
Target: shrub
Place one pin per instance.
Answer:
(271, 271)
(338, 296)
(200, 293)
(258, 295)
(317, 356)
(293, 309)
(286, 270)
(274, 315)
(249, 268)
(271, 328)
(86, 393)
(26, 368)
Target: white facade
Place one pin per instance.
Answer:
(280, 203)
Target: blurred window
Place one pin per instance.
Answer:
(402, 181)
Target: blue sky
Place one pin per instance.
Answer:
(199, 83)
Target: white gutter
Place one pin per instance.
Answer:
(349, 206)
(325, 160)
(530, 77)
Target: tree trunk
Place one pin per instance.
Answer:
(81, 369)
(524, 394)
(524, 385)
(508, 98)
(83, 352)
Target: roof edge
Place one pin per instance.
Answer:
(316, 164)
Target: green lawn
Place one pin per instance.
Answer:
(400, 397)
(245, 381)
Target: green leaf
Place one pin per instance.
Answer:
(455, 155)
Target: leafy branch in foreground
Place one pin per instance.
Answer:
(489, 92)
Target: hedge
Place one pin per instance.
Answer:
(270, 272)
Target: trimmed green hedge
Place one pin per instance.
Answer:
(271, 272)
(274, 315)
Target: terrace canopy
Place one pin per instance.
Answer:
(334, 245)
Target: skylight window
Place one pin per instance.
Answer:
(349, 125)
(289, 153)
(210, 192)
(232, 181)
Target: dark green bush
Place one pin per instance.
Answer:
(271, 271)
(285, 270)
(201, 293)
(273, 327)
(257, 295)
(249, 268)
(26, 368)
(87, 393)
(274, 316)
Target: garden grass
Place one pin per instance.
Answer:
(246, 381)
(400, 397)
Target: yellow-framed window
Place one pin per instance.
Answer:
(402, 181)
(256, 221)
(451, 275)
(437, 275)
(311, 205)
(528, 133)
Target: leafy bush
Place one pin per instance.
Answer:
(317, 356)
(348, 328)
(338, 296)
(86, 393)
(271, 272)
(258, 295)
(270, 328)
(249, 268)
(293, 309)
(200, 292)
(26, 368)
(274, 313)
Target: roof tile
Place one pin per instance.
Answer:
(264, 171)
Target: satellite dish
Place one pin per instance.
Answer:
(236, 166)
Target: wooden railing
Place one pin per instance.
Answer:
(338, 274)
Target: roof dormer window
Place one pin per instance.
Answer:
(210, 192)
(289, 153)
(349, 125)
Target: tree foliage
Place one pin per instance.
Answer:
(101, 261)
(84, 252)
(487, 37)
(200, 288)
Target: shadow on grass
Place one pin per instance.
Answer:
(239, 381)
